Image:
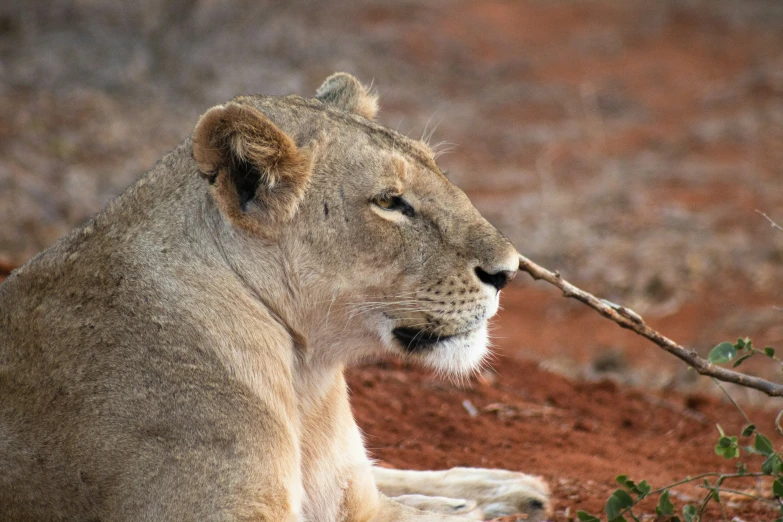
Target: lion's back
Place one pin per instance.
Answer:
(99, 380)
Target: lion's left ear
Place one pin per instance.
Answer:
(258, 175)
(345, 92)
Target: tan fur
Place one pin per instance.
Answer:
(345, 92)
(181, 356)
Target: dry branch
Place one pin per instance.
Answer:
(629, 319)
(771, 222)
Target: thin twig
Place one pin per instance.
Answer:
(629, 319)
(771, 222)
(774, 357)
(737, 492)
(688, 480)
(719, 385)
(704, 501)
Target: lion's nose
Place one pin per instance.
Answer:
(498, 279)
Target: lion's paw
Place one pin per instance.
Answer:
(501, 493)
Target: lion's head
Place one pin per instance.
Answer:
(378, 248)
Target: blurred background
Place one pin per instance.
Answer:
(625, 143)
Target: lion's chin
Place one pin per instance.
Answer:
(456, 355)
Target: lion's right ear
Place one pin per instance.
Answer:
(345, 92)
(258, 175)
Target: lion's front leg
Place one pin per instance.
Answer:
(424, 509)
(495, 492)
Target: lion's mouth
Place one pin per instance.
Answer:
(416, 340)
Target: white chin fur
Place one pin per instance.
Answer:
(494, 302)
(455, 356)
(459, 355)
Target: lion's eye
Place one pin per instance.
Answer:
(394, 203)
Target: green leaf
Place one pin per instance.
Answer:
(742, 468)
(742, 359)
(726, 442)
(665, 506)
(751, 450)
(748, 430)
(643, 489)
(769, 351)
(727, 447)
(584, 516)
(624, 497)
(763, 445)
(612, 508)
(617, 503)
(772, 465)
(722, 353)
(740, 344)
(777, 487)
(689, 512)
(621, 479)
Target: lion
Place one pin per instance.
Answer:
(181, 355)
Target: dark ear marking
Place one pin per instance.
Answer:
(246, 178)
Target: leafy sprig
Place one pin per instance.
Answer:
(622, 503)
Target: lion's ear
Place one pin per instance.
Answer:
(345, 92)
(258, 175)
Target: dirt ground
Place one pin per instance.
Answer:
(578, 434)
(625, 143)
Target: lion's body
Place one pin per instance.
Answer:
(180, 356)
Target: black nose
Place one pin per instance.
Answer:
(499, 279)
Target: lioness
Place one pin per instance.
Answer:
(181, 355)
